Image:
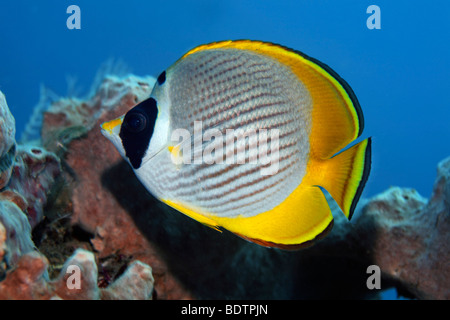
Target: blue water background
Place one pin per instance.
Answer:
(400, 73)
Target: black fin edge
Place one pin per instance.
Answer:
(364, 178)
(343, 83)
(339, 79)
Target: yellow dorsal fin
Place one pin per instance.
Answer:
(337, 117)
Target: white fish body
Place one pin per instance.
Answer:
(229, 86)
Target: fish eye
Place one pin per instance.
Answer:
(135, 122)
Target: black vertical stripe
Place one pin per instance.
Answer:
(136, 142)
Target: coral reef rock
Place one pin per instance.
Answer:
(7, 141)
(15, 239)
(412, 245)
(27, 177)
(22, 201)
(77, 280)
(70, 118)
(35, 171)
(135, 283)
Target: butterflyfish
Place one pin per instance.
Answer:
(245, 135)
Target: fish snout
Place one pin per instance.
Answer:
(112, 127)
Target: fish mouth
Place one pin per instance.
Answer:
(111, 131)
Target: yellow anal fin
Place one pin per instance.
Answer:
(344, 175)
(192, 213)
(303, 216)
(299, 246)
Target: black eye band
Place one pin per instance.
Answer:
(137, 130)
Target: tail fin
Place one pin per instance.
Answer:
(345, 175)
